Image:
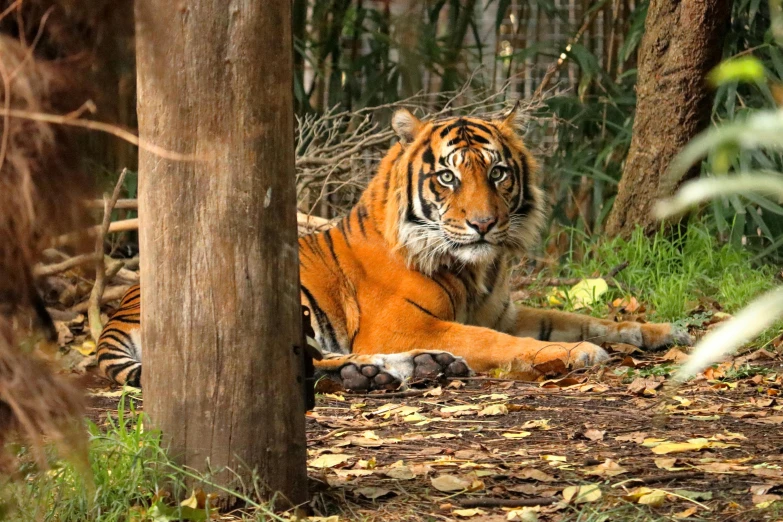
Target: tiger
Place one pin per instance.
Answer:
(413, 282)
(119, 345)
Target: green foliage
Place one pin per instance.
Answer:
(132, 479)
(672, 275)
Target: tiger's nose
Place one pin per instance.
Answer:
(483, 224)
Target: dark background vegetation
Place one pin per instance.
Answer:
(576, 58)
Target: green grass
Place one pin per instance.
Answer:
(672, 276)
(132, 479)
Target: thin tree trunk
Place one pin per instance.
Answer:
(683, 40)
(221, 315)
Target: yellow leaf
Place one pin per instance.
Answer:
(334, 397)
(449, 483)
(328, 460)
(582, 494)
(191, 501)
(517, 435)
(651, 442)
(665, 463)
(553, 458)
(542, 424)
(459, 408)
(654, 498)
(494, 409)
(87, 348)
(469, 512)
(526, 514)
(686, 513)
(556, 297)
(586, 292)
(609, 468)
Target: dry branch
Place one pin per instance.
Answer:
(64, 266)
(94, 309)
(110, 294)
(508, 502)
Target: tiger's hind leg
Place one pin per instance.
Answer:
(359, 372)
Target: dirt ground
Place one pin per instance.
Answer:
(480, 448)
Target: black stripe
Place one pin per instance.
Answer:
(361, 215)
(502, 315)
(324, 325)
(451, 298)
(422, 308)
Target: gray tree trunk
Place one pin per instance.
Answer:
(683, 40)
(220, 273)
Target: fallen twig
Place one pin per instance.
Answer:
(94, 304)
(127, 204)
(507, 502)
(666, 477)
(110, 294)
(64, 266)
(125, 225)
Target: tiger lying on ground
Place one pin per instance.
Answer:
(413, 282)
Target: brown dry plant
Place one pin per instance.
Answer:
(42, 190)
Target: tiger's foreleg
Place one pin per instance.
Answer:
(557, 326)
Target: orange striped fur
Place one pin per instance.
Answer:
(421, 265)
(119, 346)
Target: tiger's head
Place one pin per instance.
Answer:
(467, 191)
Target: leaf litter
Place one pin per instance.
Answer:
(602, 437)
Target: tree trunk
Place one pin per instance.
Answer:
(220, 272)
(683, 40)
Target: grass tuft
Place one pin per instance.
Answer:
(672, 276)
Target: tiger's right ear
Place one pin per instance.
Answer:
(406, 125)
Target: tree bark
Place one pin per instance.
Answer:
(683, 40)
(220, 273)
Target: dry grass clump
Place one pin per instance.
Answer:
(41, 196)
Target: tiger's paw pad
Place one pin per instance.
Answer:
(430, 366)
(367, 377)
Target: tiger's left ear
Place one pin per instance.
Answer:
(406, 125)
(510, 119)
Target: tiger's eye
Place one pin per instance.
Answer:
(446, 177)
(497, 174)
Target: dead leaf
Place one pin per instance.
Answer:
(594, 434)
(686, 513)
(494, 409)
(534, 474)
(466, 513)
(449, 483)
(542, 424)
(626, 304)
(764, 501)
(372, 493)
(675, 355)
(636, 437)
(560, 383)
(654, 498)
(665, 463)
(582, 494)
(517, 435)
(644, 386)
(608, 468)
(526, 514)
(329, 460)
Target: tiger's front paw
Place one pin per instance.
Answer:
(586, 354)
(391, 371)
(660, 335)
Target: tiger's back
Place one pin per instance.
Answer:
(119, 346)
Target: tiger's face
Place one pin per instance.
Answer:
(471, 190)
